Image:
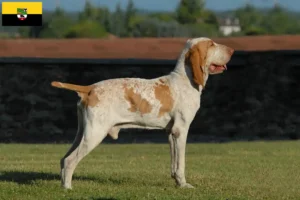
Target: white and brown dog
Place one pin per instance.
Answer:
(169, 102)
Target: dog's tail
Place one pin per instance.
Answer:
(76, 88)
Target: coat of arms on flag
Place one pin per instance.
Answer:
(22, 13)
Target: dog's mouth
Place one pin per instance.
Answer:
(216, 69)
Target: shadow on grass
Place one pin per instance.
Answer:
(22, 177)
(96, 199)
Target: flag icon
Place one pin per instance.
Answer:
(22, 14)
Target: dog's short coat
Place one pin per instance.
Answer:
(169, 102)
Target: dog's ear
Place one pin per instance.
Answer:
(196, 57)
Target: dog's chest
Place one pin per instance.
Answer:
(188, 97)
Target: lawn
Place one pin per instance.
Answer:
(239, 170)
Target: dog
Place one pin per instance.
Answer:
(169, 102)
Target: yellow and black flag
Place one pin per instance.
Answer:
(22, 14)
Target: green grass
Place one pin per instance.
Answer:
(254, 170)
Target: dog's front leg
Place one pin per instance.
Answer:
(179, 135)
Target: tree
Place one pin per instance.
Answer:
(152, 27)
(130, 13)
(57, 26)
(23, 31)
(89, 12)
(163, 16)
(188, 11)
(201, 29)
(117, 25)
(86, 29)
(280, 22)
(254, 30)
(250, 20)
(101, 15)
(104, 17)
(210, 17)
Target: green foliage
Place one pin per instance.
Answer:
(86, 29)
(99, 14)
(250, 20)
(5, 35)
(94, 22)
(130, 11)
(209, 17)
(57, 26)
(89, 12)
(188, 11)
(163, 16)
(254, 30)
(273, 22)
(23, 31)
(153, 27)
(104, 17)
(190, 19)
(147, 28)
(117, 25)
(249, 16)
(280, 22)
(129, 15)
(201, 30)
(54, 26)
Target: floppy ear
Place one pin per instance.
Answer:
(196, 57)
(195, 61)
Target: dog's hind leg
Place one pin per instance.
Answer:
(76, 142)
(92, 135)
(173, 156)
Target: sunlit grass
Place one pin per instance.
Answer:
(254, 170)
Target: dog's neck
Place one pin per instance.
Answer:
(184, 71)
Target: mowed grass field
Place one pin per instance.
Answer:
(241, 170)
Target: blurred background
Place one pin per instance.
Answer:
(84, 42)
(169, 18)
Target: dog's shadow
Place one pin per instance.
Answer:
(21, 177)
(96, 199)
(27, 178)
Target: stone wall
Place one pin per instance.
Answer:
(258, 97)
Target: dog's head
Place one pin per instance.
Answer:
(205, 57)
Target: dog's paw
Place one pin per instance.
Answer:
(186, 185)
(66, 187)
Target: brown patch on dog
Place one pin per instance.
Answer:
(137, 103)
(84, 97)
(163, 95)
(196, 57)
(90, 99)
(93, 99)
